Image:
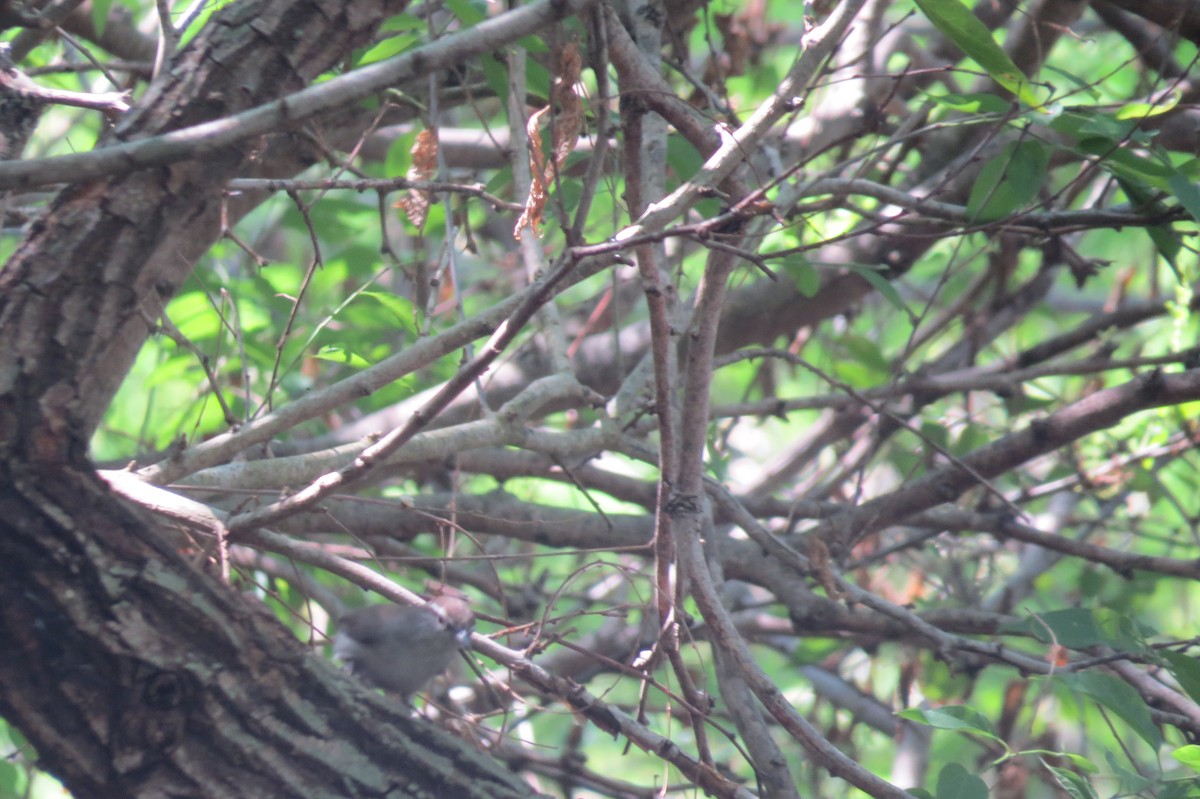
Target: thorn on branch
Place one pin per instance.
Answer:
(1040, 430)
(1153, 384)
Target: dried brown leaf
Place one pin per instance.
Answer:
(424, 167)
(567, 125)
(535, 203)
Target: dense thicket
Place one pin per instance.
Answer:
(789, 390)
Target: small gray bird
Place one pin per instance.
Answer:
(400, 648)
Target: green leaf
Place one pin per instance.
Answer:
(975, 103)
(467, 12)
(1186, 192)
(872, 275)
(1079, 761)
(533, 44)
(13, 779)
(1119, 697)
(866, 352)
(495, 74)
(1075, 786)
(952, 717)
(1164, 237)
(1109, 141)
(400, 307)
(683, 158)
(802, 273)
(955, 782)
(537, 78)
(1086, 86)
(1168, 245)
(1123, 162)
(1009, 181)
(403, 22)
(1186, 670)
(1129, 782)
(194, 317)
(959, 25)
(393, 45)
(338, 354)
(1189, 756)
(501, 180)
(100, 10)
(1140, 111)
(1096, 124)
(1023, 403)
(1075, 628)
(399, 155)
(1124, 632)
(1180, 789)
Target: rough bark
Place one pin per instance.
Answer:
(136, 675)
(130, 671)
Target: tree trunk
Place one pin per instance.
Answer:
(132, 672)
